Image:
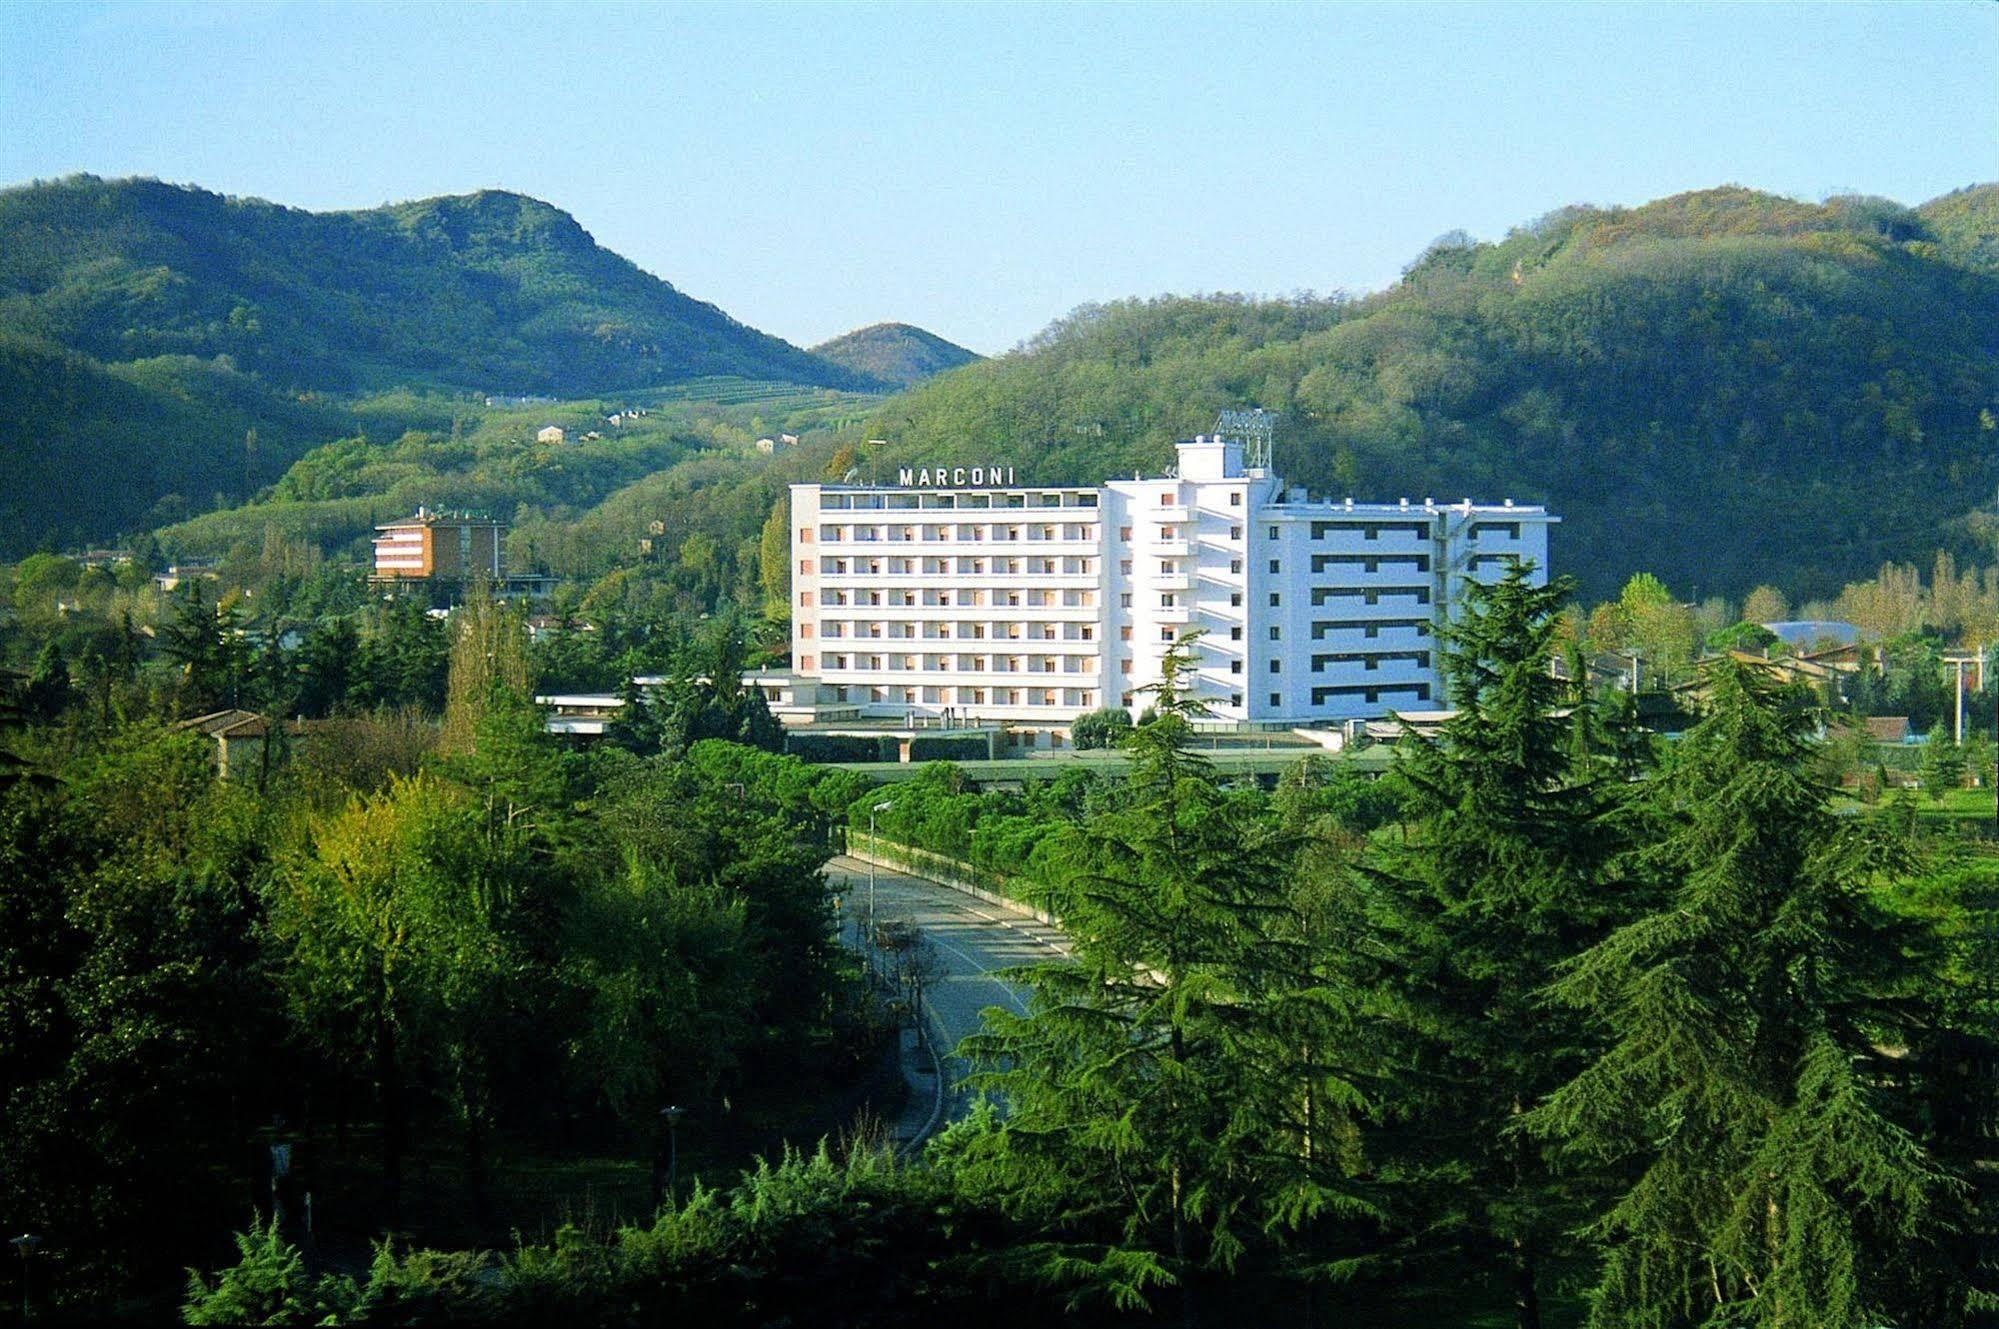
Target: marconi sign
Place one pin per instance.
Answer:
(939, 477)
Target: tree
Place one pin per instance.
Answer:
(48, 691)
(1765, 604)
(208, 646)
(1744, 1071)
(490, 666)
(774, 561)
(1100, 728)
(394, 931)
(1659, 627)
(1507, 874)
(1943, 763)
(1156, 1088)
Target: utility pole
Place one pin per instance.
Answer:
(1959, 733)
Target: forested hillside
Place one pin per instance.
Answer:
(489, 291)
(1737, 387)
(894, 353)
(147, 329)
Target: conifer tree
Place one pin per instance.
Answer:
(1751, 1024)
(1155, 1087)
(1943, 763)
(1505, 877)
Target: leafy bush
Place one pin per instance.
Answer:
(1100, 728)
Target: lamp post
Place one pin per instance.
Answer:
(25, 1245)
(671, 1115)
(882, 806)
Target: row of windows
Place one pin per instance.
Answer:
(965, 664)
(944, 567)
(1322, 629)
(1073, 498)
(1393, 695)
(1372, 530)
(935, 630)
(1369, 659)
(1075, 699)
(966, 598)
(1323, 595)
(1071, 532)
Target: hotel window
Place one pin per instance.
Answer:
(1235, 532)
(1235, 599)
(1165, 498)
(805, 567)
(1124, 633)
(1124, 666)
(1125, 700)
(1235, 565)
(1276, 666)
(804, 629)
(1273, 532)
(1124, 600)
(1235, 666)
(1273, 565)
(805, 662)
(1235, 498)
(1166, 634)
(1124, 567)
(1276, 699)
(1235, 699)
(1124, 532)
(805, 535)
(805, 599)
(1275, 600)
(1235, 632)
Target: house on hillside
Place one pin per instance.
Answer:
(243, 741)
(767, 446)
(171, 579)
(549, 434)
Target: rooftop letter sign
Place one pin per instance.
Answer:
(938, 477)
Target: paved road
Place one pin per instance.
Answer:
(970, 939)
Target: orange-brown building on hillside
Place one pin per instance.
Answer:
(446, 546)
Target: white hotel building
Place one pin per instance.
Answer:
(963, 595)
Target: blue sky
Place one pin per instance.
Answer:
(980, 169)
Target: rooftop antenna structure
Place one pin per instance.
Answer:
(1252, 428)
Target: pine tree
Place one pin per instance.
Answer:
(1748, 1023)
(1943, 763)
(1506, 876)
(1156, 1089)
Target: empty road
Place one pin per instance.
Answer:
(970, 939)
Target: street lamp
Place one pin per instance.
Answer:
(671, 1115)
(25, 1245)
(882, 806)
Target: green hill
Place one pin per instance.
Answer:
(1724, 387)
(1966, 224)
(146, 330)
(894, 353)
(488, 292)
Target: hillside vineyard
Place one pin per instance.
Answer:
(1029, 604)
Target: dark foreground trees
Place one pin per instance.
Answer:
(1757, 1022)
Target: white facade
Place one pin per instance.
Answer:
(977, 598)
